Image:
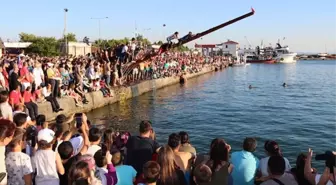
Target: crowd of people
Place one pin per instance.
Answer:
(26, 80)
(74, 152)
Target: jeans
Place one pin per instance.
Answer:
(54, 104)
(33, 110)
(108, 79)
(54, 87)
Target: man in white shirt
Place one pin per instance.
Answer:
(124, 53)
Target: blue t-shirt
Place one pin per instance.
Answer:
(245, 166)
(125, 174)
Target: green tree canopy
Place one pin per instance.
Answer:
(45, 46)
(71, 37)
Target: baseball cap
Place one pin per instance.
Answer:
(46, 135)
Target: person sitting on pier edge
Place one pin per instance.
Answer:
(170, 173)
(185, 143)
(271, 149)
(278, 176)
(141, 148)
(218, 162)
(182, 159)
(245, 163)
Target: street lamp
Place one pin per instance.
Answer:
(64, 31)
(99, 18)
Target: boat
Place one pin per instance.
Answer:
(240, 62)
(259, 55)
(283, 55)
(255, 59)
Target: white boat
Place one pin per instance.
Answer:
(241, 61)
(322, 54)
(283, 55)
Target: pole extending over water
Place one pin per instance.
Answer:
(198, 35)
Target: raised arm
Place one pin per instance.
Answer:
(308, 169)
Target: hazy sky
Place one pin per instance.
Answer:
(308, 25)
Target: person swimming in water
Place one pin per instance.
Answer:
(284, 85)
(250, 87)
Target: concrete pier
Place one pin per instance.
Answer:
(96, 99)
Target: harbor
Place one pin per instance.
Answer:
(205, 93)
(220, 104)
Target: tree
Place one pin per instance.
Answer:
(71, 37)
(45, 46)
(143, 40)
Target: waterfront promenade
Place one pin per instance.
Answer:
(97, 100)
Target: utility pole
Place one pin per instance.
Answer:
(64, 32)
(99, 19)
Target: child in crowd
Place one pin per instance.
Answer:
(30, 104)
(41, 122)
(105, 170)
(18, 164)
(46, 162)
(90, 174)
(126, 174)
(151, 173)
(19, 108)
(39, 98)
(95, 85)
(74, 95)
(80, 174)
(202, 174)
(104, 89)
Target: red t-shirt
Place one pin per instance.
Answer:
(36, 94)
(15, 95)
(23, 72)
(27, 96)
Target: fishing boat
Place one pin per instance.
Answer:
(283, 55)
(256, 59)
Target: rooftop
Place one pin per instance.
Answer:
(230, 42)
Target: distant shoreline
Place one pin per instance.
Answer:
(316, 59)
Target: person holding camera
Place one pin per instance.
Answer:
(329, 175)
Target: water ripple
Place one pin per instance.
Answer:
(220, 104)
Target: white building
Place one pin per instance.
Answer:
(76, 48)
(231, 47)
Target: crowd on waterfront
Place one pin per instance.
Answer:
(74, 152)
(26, 80)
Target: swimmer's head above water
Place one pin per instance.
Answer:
(284, 85)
